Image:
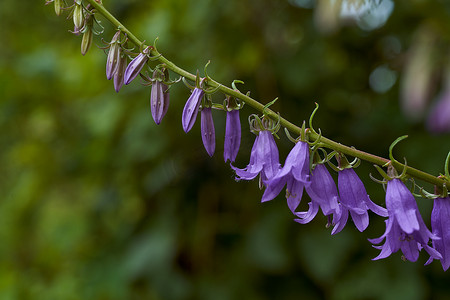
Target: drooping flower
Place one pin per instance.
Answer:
(405, 228)
(294, 173)
(323, 194)
(208, 131)
(232, 135)
(159, 100)
(440, 226)
(190, 109)
(136, 65)
(114, 54)
(264, 159)
(354, 199)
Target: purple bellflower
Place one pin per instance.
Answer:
(208, 131)
(232, 135)
(405, 228)
(440, 225)
(136, 65)
(190, 109)
(323, 194)
(264, 159)
(159, 100)
(354, 199)
(295, 173)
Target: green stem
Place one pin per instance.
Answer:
(260, 107)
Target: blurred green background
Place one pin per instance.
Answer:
(98, 202)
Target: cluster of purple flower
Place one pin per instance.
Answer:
(405, 228)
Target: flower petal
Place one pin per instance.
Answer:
(232, 135)
(190, 109)
(208, 131)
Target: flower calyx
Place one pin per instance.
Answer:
(265, 123)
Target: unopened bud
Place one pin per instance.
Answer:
(86, 41)
(78, 18)
(119, 75)
(57, 7)
(159, 101)
(114, 55)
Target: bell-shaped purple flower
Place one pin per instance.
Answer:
(190, 109)
(159, 100)
(264, 159)
(440, 226)
(208, 131)
(405, 228)
(135, 66)
(232, 135)
(354, 199)
(295, 173)
(324, 195)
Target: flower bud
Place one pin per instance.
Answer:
(113, 58)
(119, 75)
(232, 135)
(57, 7)
(190, 109)
(208, 131)
(136, 65)
(86, 41)
(159, 101)
(78, 18)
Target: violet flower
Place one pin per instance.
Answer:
(323, 194)
(354, 199)
(405, 228)
(190, 109)
(264, 159)
(440, 225)
(159, 100)
(232, 135)
(207, 130)
(295, 173)
(136, 65)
